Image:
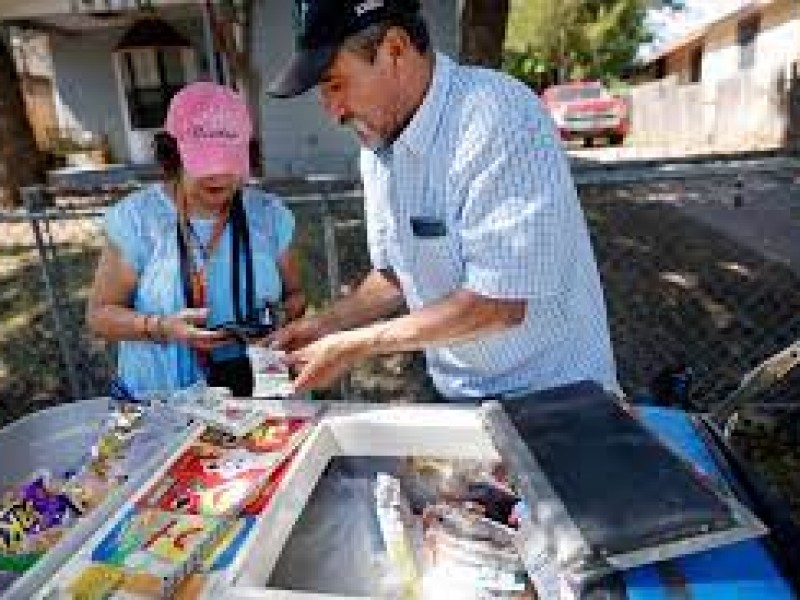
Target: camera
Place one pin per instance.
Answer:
(245, 332)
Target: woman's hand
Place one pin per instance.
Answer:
(187, 327)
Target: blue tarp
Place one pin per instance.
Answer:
(744, 571)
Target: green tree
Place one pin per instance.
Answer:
(556, 40)
(20, 160)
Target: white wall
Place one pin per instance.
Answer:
(748, 111)
(86, 89)
(720, 63)
(297, 137)
(777, 45)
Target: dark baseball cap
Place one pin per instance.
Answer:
(321, 28)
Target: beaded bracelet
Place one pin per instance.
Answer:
(148, 333)
(161, 328)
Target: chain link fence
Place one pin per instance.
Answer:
(680, 292)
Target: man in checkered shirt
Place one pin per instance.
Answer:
(473, 220)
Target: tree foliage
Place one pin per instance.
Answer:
(20, 160)
(554, 40)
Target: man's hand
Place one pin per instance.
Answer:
(322, 357)
(297, 334)
(376, 297)
(321, 363)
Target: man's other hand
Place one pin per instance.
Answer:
(320, 364)
(297, 334)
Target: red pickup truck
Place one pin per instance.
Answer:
(587, 110)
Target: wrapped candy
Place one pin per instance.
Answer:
(54, 508)
(95, 582)
(36, 513)
(18, 521)
(33, 517)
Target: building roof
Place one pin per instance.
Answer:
(746, 10)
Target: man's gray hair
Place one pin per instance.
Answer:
(366, 42)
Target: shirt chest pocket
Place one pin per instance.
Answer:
(432, 257)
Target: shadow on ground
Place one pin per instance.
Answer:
(680, 292)
(30, 356)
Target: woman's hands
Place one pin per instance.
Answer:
(187, 326)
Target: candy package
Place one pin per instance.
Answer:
(270, 374)
(209, 480)
(216, 408)
(37, 512)
(96, 582)
(157, 549)
(274, 434)
(33, 517)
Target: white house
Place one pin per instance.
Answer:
(729, 85)
(115, 64)
(760, 36)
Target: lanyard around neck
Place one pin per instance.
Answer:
(190, 235)
(194, 281)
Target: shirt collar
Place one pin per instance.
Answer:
(419, 133)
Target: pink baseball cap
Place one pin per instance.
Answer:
(212, 126)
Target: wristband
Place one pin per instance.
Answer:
(148, 332)
(161, 328)
(140, 325)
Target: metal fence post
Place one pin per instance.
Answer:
(33, 198)
(331, 251)
(332, 263)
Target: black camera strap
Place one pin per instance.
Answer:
(240, 235)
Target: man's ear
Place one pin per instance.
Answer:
(396, 43)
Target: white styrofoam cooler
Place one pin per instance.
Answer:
(443, 432)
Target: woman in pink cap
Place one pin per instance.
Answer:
(198, 251)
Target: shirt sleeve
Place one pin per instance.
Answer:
(271, 222)
(519, 211)
(284, 227)
(376, 182)
(123, 229)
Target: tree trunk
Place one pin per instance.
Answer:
(483, 31)
(20, 160)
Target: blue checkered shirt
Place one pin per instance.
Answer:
(476, 194)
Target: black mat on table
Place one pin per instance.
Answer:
(620, 485)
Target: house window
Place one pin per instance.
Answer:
(696, 67)
(151, 77)
(747, 34)
(661, 68)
